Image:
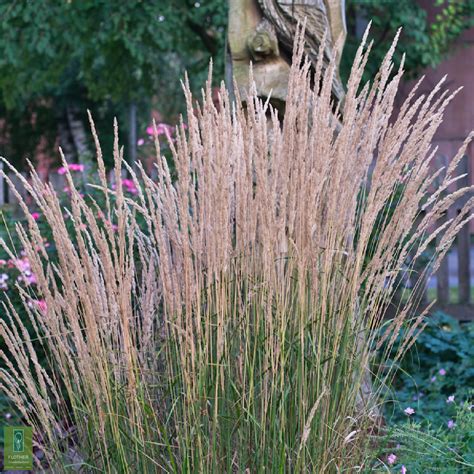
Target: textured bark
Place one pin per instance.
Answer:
(270, 69)
(261, 33)
(65, 139)
(78, 133)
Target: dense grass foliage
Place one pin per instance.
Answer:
(230, 320)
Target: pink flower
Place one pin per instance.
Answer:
(161, 129)
(442, 372)
(451, 424)
(71, 167)
(128, 182)
(140, 142)
(35, 215)
(450, 399)
(409, 411)
(129, 186)
(40, 304)
(22, 264)
(76, 167)
(391, 458)
(403, 470)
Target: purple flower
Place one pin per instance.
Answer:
(450, 399)
(451, 424)
(442, 372)
(391, 458)
(403, 470)
(409, 411)
(433, 379)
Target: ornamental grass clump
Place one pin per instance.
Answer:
(230, 319)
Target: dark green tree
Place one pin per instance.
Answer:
(66, 56)
(424, 43)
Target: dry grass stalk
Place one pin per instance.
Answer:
(256, 262)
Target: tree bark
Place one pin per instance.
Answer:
(78, 133)
(132, 134)
(251, 40)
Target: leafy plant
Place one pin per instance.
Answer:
(438, 366)
(424, 43)
(412, 446)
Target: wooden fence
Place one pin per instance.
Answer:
(455, 277)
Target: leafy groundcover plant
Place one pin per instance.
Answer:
(422, 447)
(429, 410)
(437, 375)
(234, 330)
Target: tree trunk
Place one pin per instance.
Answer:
(65, 138)
(270, 70)
(132, 134)
(79, 134)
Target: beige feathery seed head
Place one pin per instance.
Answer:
(232, 317)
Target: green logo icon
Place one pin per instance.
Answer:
(18, 452)
(18, 440)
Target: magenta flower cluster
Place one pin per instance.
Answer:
(25, 278)
(71, 167)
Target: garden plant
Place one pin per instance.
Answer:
(232, 319)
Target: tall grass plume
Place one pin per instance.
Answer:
(231, 320)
